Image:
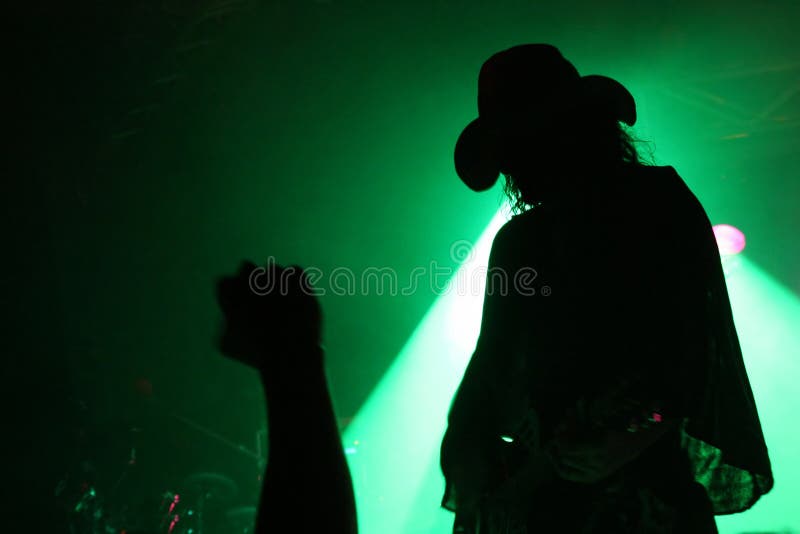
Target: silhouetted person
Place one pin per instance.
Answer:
(277, 330)
(621, 380)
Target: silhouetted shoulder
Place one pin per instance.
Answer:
(518, 237)
(503, 244)
(685, 207)
(668, 182)
(655, 196)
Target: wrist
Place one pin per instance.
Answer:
(298, 362)
(304, 348)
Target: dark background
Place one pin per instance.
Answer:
(152, 145)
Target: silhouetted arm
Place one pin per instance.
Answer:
(307, 484)
(468, 452)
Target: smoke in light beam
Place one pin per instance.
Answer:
(400, 427)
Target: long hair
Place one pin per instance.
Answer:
(601, 143)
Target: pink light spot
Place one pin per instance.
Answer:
(175, 501)
(656, 417)
(730, 239)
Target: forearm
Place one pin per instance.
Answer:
(307, 482)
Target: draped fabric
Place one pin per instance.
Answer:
(723, 436)
(635, 289)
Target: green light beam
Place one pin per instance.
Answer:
(767, 316)
(394, 439)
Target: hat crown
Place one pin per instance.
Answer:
(525, 80)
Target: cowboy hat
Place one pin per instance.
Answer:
(523, 85)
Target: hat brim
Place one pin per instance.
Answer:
(476, 157)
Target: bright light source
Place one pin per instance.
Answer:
(730, 239)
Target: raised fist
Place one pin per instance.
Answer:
(272, 318)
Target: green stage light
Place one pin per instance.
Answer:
(400, 427)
